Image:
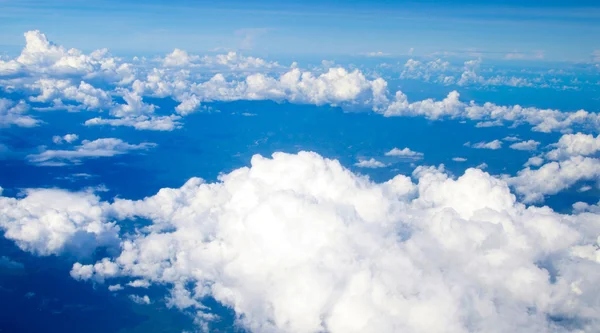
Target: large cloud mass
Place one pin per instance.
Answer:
(297, 243)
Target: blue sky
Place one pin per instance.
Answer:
(563, 31)
(315, 166)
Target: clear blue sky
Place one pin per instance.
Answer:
(564, 30)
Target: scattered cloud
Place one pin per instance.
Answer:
(525, 145)
(370, 163)
(405, 153)
(106, 147)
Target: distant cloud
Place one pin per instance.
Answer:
(377, 54)
(525, 145)
(459, 159)
(370, 163)
(68, 138)
(496, 144)
(88, 149)
(404, 153)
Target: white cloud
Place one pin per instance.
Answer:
(140, 299)
(511, 138)
(68, 138)
(377, 54)
(542, 120)
(57, 91)
(115, 287)
(13, 113)
(496, 144)
(405, 153)
(139, 284)
(534, 161)
(297, 243)
(370, 163)
(153, 123)
(525, 145)
(574, 144)
(51, 221)
(554, 177)
(179, 58)
(106, 147)
(459, 159)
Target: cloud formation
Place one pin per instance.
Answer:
(105, 147)
(299, 243)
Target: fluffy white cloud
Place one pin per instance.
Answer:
(85, 95)
(68, 138)
(153, 123)
(13, 113)
(554, 177)
(106, 147)
(525, 145)
(534, 161)
(370, 163)
(542, 120)
(574, 144)
(405, 153)
(496, 144)
(51, 221)
(297, 243)
(40, 57)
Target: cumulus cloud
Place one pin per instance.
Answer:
(106, 147)
(554, 177)
(297, 243)
(573, 145)
(405, 153)
(85, 96)
(525, 145)
(52, 221)
(542, 120)
(370, 163)
(13, 113)
(68, 138)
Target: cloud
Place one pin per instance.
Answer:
(534, 161)
(297, 243)
(106, 147)
(52, 221)
(13, 113)
(140, 299)
(496, 144)
(377, 54)
(573, 145)
(179, 58)
(115, 287)
(554, 177)
(459, 159)
(542, 120)
(68, 138)
(405, 153)
(370, 163)
(525, 145)
(85, 95)
(153, 123)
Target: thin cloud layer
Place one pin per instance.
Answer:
(105, 147)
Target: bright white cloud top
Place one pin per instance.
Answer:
(299, 243)
(183, 78)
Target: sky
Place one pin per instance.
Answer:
(312, 166)
(563, 31)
